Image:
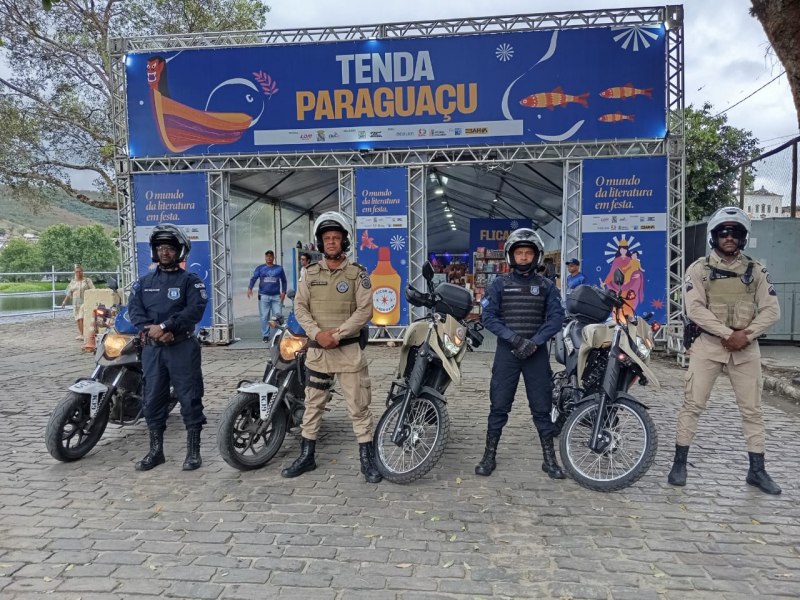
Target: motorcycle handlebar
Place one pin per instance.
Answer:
(417, 298)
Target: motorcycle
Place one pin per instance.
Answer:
(254, 424)
(412, 433)
(112, 393)
(608, 439)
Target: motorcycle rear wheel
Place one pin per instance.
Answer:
(428, 426)
(630, 452)
(71, 433)
(240, 443)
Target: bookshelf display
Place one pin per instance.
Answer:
(487, 265)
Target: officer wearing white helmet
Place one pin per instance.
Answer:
(333, 304)
(523, 309)
(730, 298)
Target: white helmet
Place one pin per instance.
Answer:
(728, 214)
(524, 237)
(332, 220)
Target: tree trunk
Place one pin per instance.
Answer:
(781, 22)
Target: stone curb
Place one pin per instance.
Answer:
(780, 387)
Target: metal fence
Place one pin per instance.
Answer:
(788, 327)
(772, 174)
(26, 304)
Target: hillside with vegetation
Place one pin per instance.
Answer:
(18, 216)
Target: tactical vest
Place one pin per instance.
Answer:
(523, 304)
(731, 294)
(333, 293)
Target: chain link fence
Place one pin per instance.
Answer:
(768, 184)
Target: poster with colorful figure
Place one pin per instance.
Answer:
(624, 226)
(597, 83)
(182, 200)
(381, 243)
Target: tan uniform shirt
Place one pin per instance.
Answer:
(709, 344)
(342, 359)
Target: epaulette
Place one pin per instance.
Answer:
(359, 266)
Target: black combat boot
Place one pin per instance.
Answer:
(677, 476)
(550, 464)
(758, 476)
(156, 455)
(488, 463)
(193, 460)
(365, 454)
(305, 462)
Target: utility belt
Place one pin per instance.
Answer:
(179, 337)
(344, 342)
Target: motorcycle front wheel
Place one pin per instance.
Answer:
(425, 430)
(71, 433)
(244, 442)
(630, 440)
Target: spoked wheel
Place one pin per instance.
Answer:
(71, 433)
(629, 444)
(245, 441)
(425, 432)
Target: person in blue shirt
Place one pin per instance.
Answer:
(165, 306)
(575, 277)
(271, 291)
(523, 309)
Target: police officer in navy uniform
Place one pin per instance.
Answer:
(166, 305)
(523, 309)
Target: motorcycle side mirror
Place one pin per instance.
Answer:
(619, 277)
(427, 271)
(631, 295)
(112, 284)
(647, 316)
(291, 294)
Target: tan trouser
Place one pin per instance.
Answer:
(747, 384)
(357, 392)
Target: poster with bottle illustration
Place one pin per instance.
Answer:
(182, 200)
(381, 243)
(624, 226)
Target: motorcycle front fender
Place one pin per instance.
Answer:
(648, 373)
(629, 398)
(264, 391)
(94, 389)
(415, 336)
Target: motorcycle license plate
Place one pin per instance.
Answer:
(568, 344)
(263, 404)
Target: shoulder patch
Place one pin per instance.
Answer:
(366, 283)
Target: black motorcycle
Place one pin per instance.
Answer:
(608, 439)
(112, 393)
(255, 422)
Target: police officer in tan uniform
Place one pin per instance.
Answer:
(333, 303)
(730, 297)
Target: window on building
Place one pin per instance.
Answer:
(763, 208)
(769, 208)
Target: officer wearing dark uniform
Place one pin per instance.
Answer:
(333, 303)
(730, 297)
(166, 305)
(523, 309)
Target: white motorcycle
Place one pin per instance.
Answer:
(412, 434)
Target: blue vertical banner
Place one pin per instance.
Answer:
(381, 242)
(182, 200)
(624, 226)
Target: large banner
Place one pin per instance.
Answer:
(382, 240)
(624, 226)
(599, 83)
(180, 199)
(492, 233)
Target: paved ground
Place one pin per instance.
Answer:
(98, 529)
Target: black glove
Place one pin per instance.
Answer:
(522, 348)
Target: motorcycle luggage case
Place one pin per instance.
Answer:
(589, 304)
(456, 300)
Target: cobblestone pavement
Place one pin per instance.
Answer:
(97, 529)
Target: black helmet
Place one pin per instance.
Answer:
(328, 221)
(520, 238)
(169, 234)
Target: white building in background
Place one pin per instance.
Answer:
(763, 204)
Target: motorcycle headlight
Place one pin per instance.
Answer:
(291, 345)
(644, 347)
(114, 344)
(451, 345)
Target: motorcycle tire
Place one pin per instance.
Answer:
(71, 433)
(633, 442)
(429, 426)
(240, 444)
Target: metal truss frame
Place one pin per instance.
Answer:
(417, 160)
(219, 237)
(571, 217)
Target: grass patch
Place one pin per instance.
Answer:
(36, 286)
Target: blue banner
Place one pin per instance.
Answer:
(599, 83)
(624, 226)
(180, 199)
(492, 233)
(382, 240)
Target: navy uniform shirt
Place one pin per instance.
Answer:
(175, 298)
(492, 309)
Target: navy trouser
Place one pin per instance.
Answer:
(537, 374)
(178, 365)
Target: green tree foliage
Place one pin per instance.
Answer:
(55, 103)
(20, 256)
(713, 148)
(62, 247)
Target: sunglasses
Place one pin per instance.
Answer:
(734, 233)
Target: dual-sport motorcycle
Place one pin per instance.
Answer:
(113, 392)
(255, 422)
(412, 433)
(608, 439)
